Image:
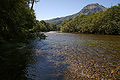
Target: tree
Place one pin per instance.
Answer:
(32, 2)
(16, 20)
(107, 22)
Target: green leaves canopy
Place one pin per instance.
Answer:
(107, 22)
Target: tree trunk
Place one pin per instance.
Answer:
(32, 4)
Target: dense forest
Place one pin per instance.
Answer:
(18, 21)
(18, 25)
(104, 22)
(44, 27)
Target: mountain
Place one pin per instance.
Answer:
(87, 10)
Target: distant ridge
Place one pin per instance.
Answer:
(87, 10)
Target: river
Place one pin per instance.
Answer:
(70, 56)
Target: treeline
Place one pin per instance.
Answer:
(44, 26)
(18, 21)
(107, 22)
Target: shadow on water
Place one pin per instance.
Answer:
(68, 56)
(42, 65)
(13, 60)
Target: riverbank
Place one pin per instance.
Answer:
(13, 59)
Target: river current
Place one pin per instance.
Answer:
(70, 56)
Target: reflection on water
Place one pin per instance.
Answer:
(67, 56)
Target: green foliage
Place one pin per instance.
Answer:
(42, 26)
(17, 23)
(107, 22)
(17, 20)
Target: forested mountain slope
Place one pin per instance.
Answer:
(87, 10)
(105, 22)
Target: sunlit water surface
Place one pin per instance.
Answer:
(69, 56)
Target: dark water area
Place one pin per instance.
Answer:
(69, 56)
(13, 60)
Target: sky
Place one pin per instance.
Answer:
(48, 9)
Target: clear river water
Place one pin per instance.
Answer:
(71, 56)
